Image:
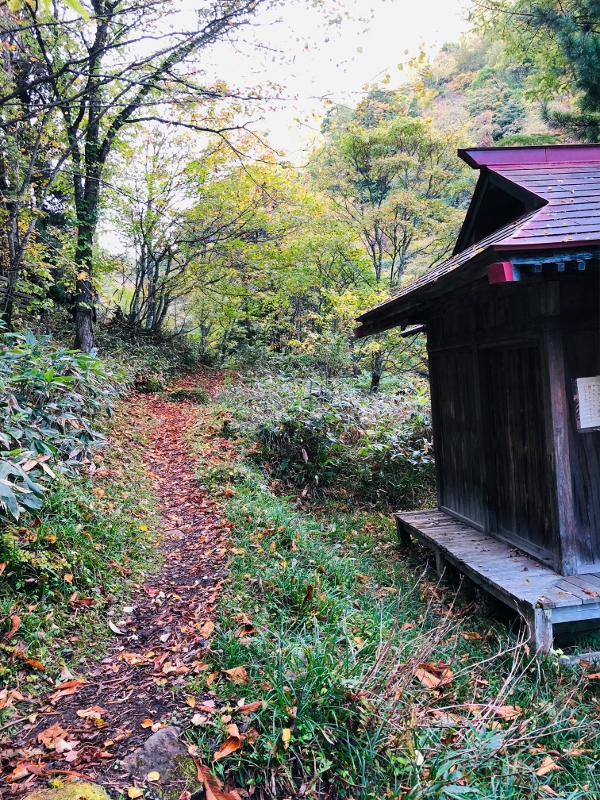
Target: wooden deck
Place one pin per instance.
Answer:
(540, 595)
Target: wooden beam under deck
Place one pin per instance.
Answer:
(540, 595)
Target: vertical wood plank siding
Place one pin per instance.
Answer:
(519, 465)
(496, 431)
(457, 429)
(582, 354)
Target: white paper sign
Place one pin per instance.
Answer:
(588, 390)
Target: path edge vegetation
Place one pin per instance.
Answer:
(70, 567)
(424, 697)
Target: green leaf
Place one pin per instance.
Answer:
(76, 6)
(8, 498)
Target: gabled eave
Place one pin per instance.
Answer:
(487, 178)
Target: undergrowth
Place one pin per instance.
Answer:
(373, 681)
(64, 568)
(337, 440)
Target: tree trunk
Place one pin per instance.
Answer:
(376, 370)
(85, 316)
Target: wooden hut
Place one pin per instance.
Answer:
(512, 322)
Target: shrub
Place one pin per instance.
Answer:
(48, 399)
(150, 384)
(316, 437)
(195, 395)
(136, 355)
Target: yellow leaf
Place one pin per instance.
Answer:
(68, 577)
(134, 792)
(286, 735)
(153, 776)
(191, 701)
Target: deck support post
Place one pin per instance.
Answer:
(403, 534)
(440, 564)
(539, 622)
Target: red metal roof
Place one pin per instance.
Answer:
(572, 214)
(570, 217)
(536, 154)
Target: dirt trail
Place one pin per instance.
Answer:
(160, 636)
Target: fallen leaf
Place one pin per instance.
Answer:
(33, 662)
(190, 701)
(153, 776)
(548, 765)
(62, 746)
(134, 792)
(427, 678)
(206, 629)
(82, 601)
(68, 577)
(17, 773)
(504, 712)
(250, 708)
(114, 628)
(237, 675)
(591, 592)
(133, 659)
(213, 787)
(549, 790)
(66, 689)
(51, 735)
(434, 674)
(15, 624)
(20, 652)
(199, 719)
(147, 723)
(245, 630)
(230, 745)
(93, 712)
(208, 707)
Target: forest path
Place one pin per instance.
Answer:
(114, 704)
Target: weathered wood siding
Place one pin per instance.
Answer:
(496, 439)
(580, 318)
(519, 481)
(459, 472)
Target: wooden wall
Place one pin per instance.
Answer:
(495, 427)
(580, 322)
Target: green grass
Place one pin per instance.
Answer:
(343, 620)
(92, 541)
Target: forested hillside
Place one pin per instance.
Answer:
(199, 459)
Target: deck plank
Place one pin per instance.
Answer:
(501, 568)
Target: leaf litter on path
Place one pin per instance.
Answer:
(86, 725)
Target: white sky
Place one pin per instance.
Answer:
(334, 61)
(313, 60)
